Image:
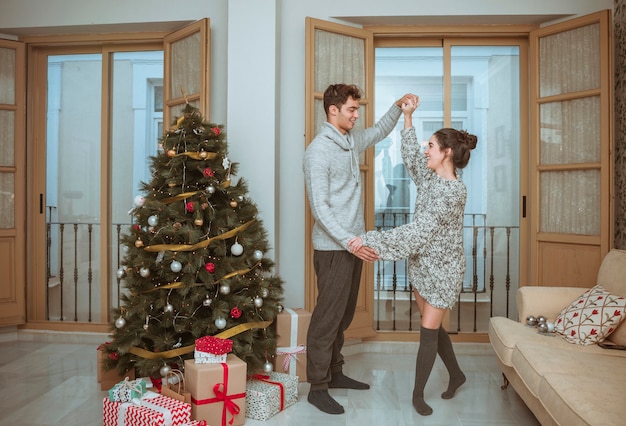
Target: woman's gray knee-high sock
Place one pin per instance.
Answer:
(446, 352)
(426, 355)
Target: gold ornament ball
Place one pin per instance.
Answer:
(139, 243)
(233, 203)
(198, 222)
(203, 154)
(171, 153)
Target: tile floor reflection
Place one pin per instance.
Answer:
(48, 383)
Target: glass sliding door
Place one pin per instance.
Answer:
(97, 151)
(474, 88)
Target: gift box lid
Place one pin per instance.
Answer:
(214, 345)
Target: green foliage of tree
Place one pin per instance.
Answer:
(183, 276)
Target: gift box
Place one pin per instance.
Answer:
(151, 409)
(211, 350)
(108, 378)
(267, 395)
(292, 326)
(127, 389)
(218, 391)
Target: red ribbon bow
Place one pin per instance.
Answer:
(266, 379)
(221, 395)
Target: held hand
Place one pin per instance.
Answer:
(367, 254)
(355, 244)
(410, 104)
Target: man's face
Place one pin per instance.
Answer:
(345, 118)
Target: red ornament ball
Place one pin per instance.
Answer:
(210, 267)
(216, 130)
(189, 207)
(114, 356)
(235, 312)
(208, 172)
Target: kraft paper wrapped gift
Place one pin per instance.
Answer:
(108, 379)
(292, 326)
(152, 409)
(267, 395)
(218, 391)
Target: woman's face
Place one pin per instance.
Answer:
(435, 156)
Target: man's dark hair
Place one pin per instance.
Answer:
(338, 94)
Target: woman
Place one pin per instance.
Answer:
(433, 243)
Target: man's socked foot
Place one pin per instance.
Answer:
(322, 400)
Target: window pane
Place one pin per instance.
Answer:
(570, 131)
(7, 200)
(569, 61)
(137, 125)
(570, 201)
(7, 136)
(184, 75)
(7, 76)
(338, 59)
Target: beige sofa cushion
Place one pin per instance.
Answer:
(534, 360)
(595, 402)
(505, 334)
(612, 276)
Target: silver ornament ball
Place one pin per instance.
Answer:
(120, 322)
(207, 302)
(224, 289)
(531, 320)
(268, 367)
(176, 266)
(121, 273)
(165, 370)
(265, 292)
(220, 322)
(258, 301)
(153, 220)
(144, 272)
(257, 255)
(168, 308)
(236, 249)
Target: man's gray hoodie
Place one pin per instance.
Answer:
(333, 180)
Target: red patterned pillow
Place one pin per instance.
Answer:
(591, 317)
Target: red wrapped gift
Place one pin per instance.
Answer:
(292, 326)
(218, 391)
(211, 349)
(151, 410)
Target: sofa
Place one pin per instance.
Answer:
(561, 382)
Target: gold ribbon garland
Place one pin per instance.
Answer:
(179, 284)
(184, 195)
(201, 244)
(172, 353)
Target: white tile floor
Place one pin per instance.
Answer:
(47, 383)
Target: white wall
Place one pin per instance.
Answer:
(257, 78)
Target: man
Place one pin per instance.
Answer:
(333, 184)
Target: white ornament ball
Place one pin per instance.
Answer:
(210, 189)
(268, 367)
(550, 326)
(236, 249)
(140, 200)
(168, 308)
(120, 322)
(121, 273)
(207, 302)
(220, 322)
(279, 308)
(176, 266)
(145, 326)
(144, 272)
(165, 370)
(258, 301)
(224, 289)
(257, 255)
(153, 220)
(265, 292)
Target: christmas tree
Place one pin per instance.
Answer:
(195, 260)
